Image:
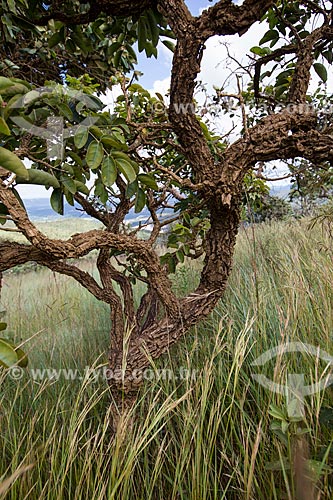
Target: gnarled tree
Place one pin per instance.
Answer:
(166, 161)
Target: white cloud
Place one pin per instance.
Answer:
(161, 86)
(216, 67)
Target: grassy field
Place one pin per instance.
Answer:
(60, 228)
(206, 429)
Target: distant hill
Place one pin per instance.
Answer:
(281, 191)
(39, 209)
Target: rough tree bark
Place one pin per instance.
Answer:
(162, 319)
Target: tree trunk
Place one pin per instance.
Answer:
(129, 356)
(122, 406)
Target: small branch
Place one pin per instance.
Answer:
(186, 183)
(156, 222)
(242, 104)
(285, 21)
(88, 207)
(10, 229)
(316, 8)
(289, 49)
(230, 56)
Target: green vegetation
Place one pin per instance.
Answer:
(213, 435)
(167, 159)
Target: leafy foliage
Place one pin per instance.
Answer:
(271, 208)
(49, 49)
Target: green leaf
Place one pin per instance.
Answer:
(126, 169)
(11, 105)
(140, 201)
(172, 264)
(113, 48)
(95, 155)
(277, 413)
(118, 134)
(261, 51)
(4, 129)
(279, 91)
(180, 256)
(132, 189)
(131, 52)
(195, 221)
(109, 171)
(101, 192)
(328, 54)
(3, 326)
(39, 177)
(96, 132)
(5, 83)
(69, 196)
(285, 425)
(30, 97)
(57, 201)
(284, 77)
(142, 34)
(119, 154)
(22, 359)
(18, 88)
(148, 180)
(81, 41)
(321, 71)
(116, 59)
(270, 35)
(11, 162)
(153, 25)
(3, 209)
(66, 111)
(70, 185)
(22, 82)
(56, 38)
(81, 137)
(169, 45)
(303, 34)
(12, 6)
(206, 131)
(150, 49)
(80, 186)
(75, 157)
(109, 141)
(8, 356)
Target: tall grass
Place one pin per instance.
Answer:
(204, 429)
